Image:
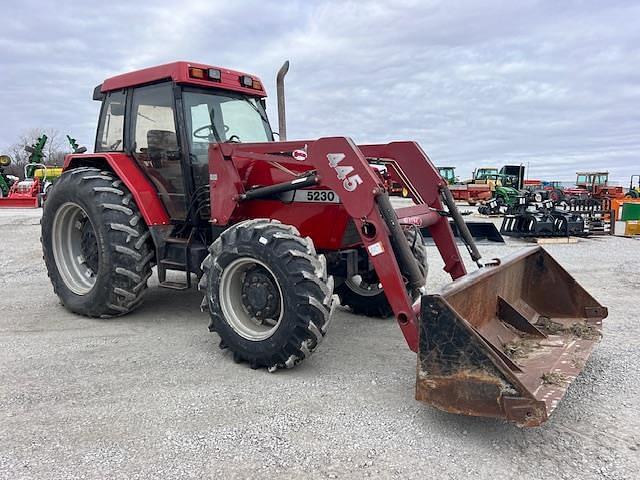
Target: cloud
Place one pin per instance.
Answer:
(554, 85)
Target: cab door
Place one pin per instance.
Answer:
(155, 144)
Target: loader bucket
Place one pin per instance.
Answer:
(506, 341)
(482, 232)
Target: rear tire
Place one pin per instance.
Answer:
(96, 246)
(268, 294)
(373, 303)
(556, 195)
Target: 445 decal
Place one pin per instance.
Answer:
(349, 182)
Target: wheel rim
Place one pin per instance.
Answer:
(251, 299)
(362, 287)
(75, 248)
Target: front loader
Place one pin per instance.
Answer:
(186, 176)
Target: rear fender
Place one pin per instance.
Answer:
(127, 170)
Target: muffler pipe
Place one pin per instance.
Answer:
(282, 114)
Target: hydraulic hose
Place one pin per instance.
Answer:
(462, 227)
(406, 260)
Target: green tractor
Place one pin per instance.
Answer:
(5, 181)
(480, 175)
(504, 192)
(449, 174)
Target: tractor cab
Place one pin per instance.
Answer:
(588, 180)
(449, 174)
(597, 185)
(500, 180)
(165, 117)
(480, 173)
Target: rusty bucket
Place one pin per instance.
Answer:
(506, 341)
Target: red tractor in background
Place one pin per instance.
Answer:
(186, 176)
(597, 185)
(591, 185)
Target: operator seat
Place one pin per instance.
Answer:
(161, 145)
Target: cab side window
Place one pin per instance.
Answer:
(154, 125)
(111, 126)
(155, 143)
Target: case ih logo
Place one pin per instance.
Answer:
(349, 182)
(300, 155)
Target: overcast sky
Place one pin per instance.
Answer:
(552, 84)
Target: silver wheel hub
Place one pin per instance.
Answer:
(251, 299)
(75, 248)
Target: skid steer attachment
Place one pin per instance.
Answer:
(506, 341)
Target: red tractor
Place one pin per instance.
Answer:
(596, 185)
(186, 176)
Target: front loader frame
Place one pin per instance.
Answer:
(339, 164)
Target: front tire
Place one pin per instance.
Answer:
(268, 294)
(96, 246)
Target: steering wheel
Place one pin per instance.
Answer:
(211, 129)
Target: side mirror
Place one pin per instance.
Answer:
(97, 93)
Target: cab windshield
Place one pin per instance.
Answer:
(217, 116)
(485, 172)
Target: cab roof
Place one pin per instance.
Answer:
(181, 72)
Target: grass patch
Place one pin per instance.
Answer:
(553, 378)
(517, 349)
(579, 330)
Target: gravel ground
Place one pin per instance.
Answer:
(151, 396)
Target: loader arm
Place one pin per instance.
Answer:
(494, 343)
(340, 165)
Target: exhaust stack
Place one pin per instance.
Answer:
(282, 115)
